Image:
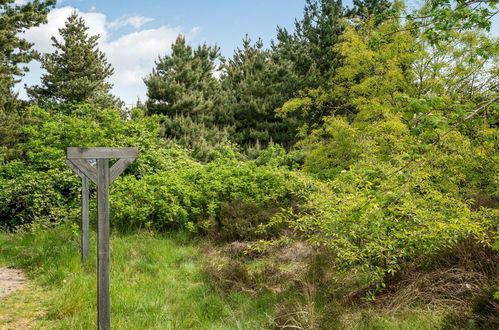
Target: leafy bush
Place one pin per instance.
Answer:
(192, 196)
(372, 221)
(240, 220)
(164, 188)
(42, 197)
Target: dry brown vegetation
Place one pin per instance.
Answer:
(459, 282)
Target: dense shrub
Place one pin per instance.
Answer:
(43, 197)
(240, 220)
(165, 188)
(192, 196)
(372, 220)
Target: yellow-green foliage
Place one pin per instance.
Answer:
(402, 165)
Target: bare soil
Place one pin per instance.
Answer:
(10, 280)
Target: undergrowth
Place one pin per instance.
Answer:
(156, 283)
(182, 281)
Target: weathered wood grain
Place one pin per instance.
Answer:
(103, 292)
(119, 167)
(100, 152)
(102, 176)
(88, 170)
(74, 168)
(85, 209)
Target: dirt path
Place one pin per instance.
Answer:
(10, 280)
(20, 301)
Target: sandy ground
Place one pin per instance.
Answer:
(10, 280)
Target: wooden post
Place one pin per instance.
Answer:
(84, 210)
(102, 176)
(84, 218)
(103, 299)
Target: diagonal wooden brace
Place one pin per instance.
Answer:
(119, 167)
(84, 167)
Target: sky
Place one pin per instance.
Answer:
(134, 33)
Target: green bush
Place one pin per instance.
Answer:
(42, 197)
(192, 196)
(240, 220)
(369, 220)
(165, 188)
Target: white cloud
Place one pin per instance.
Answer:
(56, 18)
(134, 20)
(132, 55)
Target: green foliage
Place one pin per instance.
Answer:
(9, 131)
(309, 47)
(182, 84)
(240, 220)
(76, 72)
(182, 87)
(397, 152)
(439, 17)
(204, 141)
(311, 54)
(367, 221)
(332, 148)
(403, 168)
(14, 50)
(39, 187)
(29, 196)
(191, 196)
(165, 188)
(257, 85)
(366, 9)
(48, 134)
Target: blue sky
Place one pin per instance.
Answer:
(134, 33)
(219, 21)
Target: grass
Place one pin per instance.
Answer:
(157, 282)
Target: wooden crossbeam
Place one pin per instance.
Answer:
(88, 170)
(100, 152)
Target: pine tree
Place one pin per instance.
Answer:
(183, 87)
(310, 46)
(15, 51)
(260, 81)
(183, 83)
(365, 8)
(311, 52)
(77, 71)
(257, 86)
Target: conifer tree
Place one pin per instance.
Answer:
(257, 86)
(77, 71)
(15, 51)
(183, 87)
(365, 8)
(183, 83)
(310, 46)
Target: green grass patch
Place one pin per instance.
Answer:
(156, 283)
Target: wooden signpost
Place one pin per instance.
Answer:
(102, 176)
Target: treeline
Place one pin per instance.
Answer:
(369, 132)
